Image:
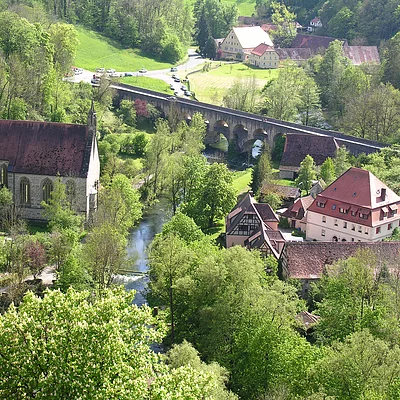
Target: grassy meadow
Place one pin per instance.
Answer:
(210, 87)
(96, 51)
(145, 82)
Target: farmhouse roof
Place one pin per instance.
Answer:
(298, 208)
(307, 260)
(250, 37)
(45, 148)
(362, 54)
(295, 54)
(288, 192)
(313, 42)
(298, 146)
(261, 49)
(316, 20)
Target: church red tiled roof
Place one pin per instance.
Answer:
(44, 148)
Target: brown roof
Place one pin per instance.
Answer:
(266, 212)
(261, 49)
(283, 191)
(45, 148)
(307, 260)
(313, 42)
(269, 27)
(298, 146)
(298, 208)
(362, 54)
(295, 54)
(307, 318)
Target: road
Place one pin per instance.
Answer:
(192, 61)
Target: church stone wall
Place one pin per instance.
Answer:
(34, 210)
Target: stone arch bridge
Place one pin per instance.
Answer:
(239, 127)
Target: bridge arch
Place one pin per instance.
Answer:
(222, 126)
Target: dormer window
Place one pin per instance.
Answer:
(363, 216)
(320, 204)
(343, 210)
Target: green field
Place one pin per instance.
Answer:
(96, 51)
(211, 86)
(145, 82)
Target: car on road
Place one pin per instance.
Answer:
(176, 93)
(111, 71)
(184, 87)
(173, 69)
(100, 70)
(129, 74)
(187, 93)
(177, 79)
(95, 81)
(172, 87)
(143, 70)
(174, 76)
(78, 71)
(171, 98)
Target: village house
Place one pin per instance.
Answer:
(255, 226)
(33, 154)
(264, 56)
(357, 207)
(315, 23)
(241, 41)
(307, 261)
(296, 213)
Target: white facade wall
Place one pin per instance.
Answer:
(267, 60)
(325, 228)
(231, 46)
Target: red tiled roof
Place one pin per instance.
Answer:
(298, 146)
(313, 42)
(261, 49)
(44, 148)
(359, 187)
(307, 260)
(301, 204)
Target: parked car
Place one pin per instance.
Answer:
(177, 79)
(176, 93)
(100, 70)
(143, 70)
(173, 69)
(129, 74)
(174, 76)
(187, 93)
(78, 71)
(172, 87)
(111, 71)
(95, 81)
(183, 87)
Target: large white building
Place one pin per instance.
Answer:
(357, 207)
(241, 41)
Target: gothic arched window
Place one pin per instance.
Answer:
(24, 191)
(3, 176)
(47, 188)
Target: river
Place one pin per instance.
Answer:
(140, 237)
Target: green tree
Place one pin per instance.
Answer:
(262, 170)
(242, 95)
(81, 346)
(58, 209)
(341, 161)
(307, 174)
(104, 254)
(119, 205)
(327, 171)
(391, 66)
(215, 198)
(362, 367)
(310, 102)
(285, 20)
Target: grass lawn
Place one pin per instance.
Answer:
(95, 51)
(145, 82)
(211, 86)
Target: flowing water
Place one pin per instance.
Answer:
(138, 240)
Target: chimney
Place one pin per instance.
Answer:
(383, 194)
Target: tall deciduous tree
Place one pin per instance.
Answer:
(262, 170)
(327, 171)
(307, 174)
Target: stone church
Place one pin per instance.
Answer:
(33, 154)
